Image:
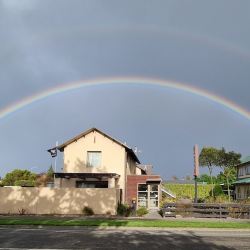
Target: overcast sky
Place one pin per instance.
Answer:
(50, 43)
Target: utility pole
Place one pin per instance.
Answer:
(196, 172)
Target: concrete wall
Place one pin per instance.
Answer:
(113, 159)
(45, 200)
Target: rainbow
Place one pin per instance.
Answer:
(124, 80)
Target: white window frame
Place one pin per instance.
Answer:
(90, 164)
(148, 194)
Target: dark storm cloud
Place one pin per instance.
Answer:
(47, 43)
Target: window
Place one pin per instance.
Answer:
(148, 195)
(94, 158)
(248, 170)
(142, 195)
(241, 171)
(92, 184)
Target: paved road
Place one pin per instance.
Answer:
(94, 238)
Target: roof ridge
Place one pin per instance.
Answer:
(63, 145)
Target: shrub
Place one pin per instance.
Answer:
(167, 200)
(161, 213)
(218, 199)
(87, 211)
(141, 211)
(22, 211)
(25, 183)
(218, 190)
(108, 212)
(123, 210)
(201, 200)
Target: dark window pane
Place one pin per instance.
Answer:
(142, 187)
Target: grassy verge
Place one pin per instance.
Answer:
(124, 223)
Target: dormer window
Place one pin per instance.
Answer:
(94, 158)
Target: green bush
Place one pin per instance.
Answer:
(217, 199)
(87, 211)
(141, 211)
(25, 183)
(17, 176)
(218, 190)
(161, 212)
(123, 210)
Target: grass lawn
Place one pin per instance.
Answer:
(124, 223)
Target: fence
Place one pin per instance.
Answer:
(205, 210)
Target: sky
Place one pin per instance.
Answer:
(48, 44)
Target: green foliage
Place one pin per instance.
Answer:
(166, 200)
(227, 161)
(50, 174)
(207, 179)
(141, 211)
(161, 213)
(212, 157)
(209, 158)
(25, 183)
(218, 190)
(217, 199)
(123, 210)
(17, 177)
(87, 211)
(187, 190)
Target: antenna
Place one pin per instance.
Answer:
(137, 151)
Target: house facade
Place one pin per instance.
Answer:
(95, 160)
(242, 185)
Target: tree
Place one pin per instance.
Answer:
(209, 158)
(206, 178)
(50, 174)
(43, 178)
(227, 161)
(19, 177)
